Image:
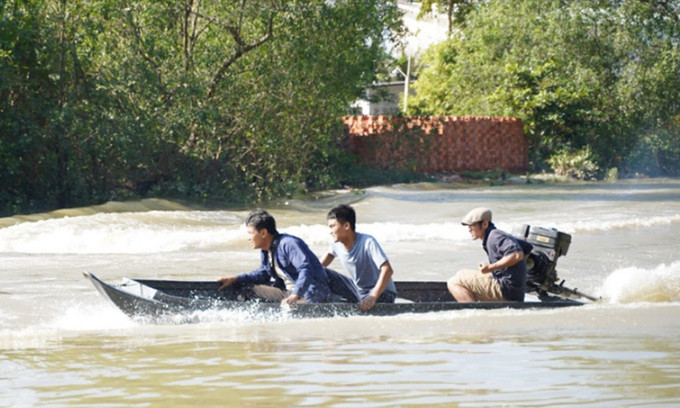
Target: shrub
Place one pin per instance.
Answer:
(579, 164)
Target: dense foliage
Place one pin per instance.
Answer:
(599, 75)
(237, 100)
(241, 100)
(456, 11)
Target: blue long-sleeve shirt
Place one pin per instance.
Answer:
(295, 259)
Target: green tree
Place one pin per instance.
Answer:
(308, 85)
(456, 10)
(106, 99)
(33, 108)
(580, 73)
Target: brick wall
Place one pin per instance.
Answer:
(439, 143)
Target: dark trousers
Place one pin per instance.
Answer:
(343, 286)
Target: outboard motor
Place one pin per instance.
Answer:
(548, 245)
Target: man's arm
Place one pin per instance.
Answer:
(294, 253)
(291, 300)
(300, 261)
(503, 263)
(258, 276)
(227, 281)
(327, 259)
(386, 273)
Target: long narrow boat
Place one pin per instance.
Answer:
(144, 298)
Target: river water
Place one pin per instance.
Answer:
(63, 345)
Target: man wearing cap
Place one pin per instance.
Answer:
(503, 277)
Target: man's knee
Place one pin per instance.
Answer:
(458, 289)
(456, 279)
(453, 284)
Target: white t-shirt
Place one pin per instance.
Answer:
(362, 262)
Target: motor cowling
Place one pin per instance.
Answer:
(549, 245)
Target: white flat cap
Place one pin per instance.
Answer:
(477, 215)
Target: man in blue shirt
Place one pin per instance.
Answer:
(363, 259)
(504, 276)
(289, 271)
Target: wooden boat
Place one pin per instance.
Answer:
(144, 298)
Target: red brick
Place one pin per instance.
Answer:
(436, 144)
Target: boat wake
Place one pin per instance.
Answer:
(598, 223)
(70, 320)
(104, 319)
(127, 233)
(183, 230)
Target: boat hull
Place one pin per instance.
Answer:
(140, 298)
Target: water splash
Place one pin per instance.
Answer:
(84, 317)
(660, 284)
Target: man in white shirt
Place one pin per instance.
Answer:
(363, 259)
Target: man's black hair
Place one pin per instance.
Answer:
(261, 219)
(343, 213)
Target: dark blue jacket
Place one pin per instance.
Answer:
(298, 263)
(512, 280)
